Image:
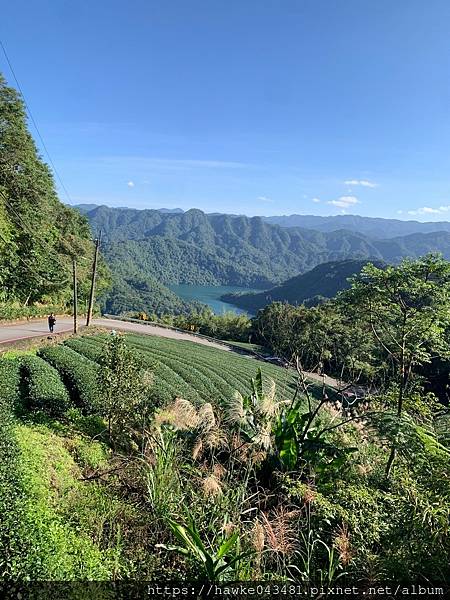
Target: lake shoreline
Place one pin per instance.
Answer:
(211, 295)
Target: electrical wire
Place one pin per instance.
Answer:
(32, 269)
(34, 123)
(42, 241)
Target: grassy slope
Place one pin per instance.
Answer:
(63, 518)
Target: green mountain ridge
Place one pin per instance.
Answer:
(197, 248)
(200, 249)
(374, 227)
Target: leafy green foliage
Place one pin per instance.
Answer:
(227, 326)
(195, 372)
(54, 539)
(38, 234)
(44, 389)
(407, 312)
(302, 441)
(84, 347)
(10, 491)
(9, 381)
(214, 565)
(132, 291)
(123, 388)
(78, 373)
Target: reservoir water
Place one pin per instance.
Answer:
(210, 295)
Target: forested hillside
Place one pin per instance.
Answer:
(38, 234)
(324, 281)
(194, 247)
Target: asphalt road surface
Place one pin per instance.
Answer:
(32, 329)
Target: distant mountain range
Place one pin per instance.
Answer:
(375, 228)
(157, 248)
(85, 208)
(322, 282)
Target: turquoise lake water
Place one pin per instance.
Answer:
(210, 294)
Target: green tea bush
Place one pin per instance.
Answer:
(85, 348)
(44, 389)
(9, 381)
(10, 490)
(78, 373)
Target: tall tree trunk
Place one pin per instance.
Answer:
(401, 393)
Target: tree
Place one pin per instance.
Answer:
(407, 310)
(123, 389)
(38, 234)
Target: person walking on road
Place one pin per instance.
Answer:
(51, 322)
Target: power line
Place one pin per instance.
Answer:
(34, 123)
(42, 241)
(33, 269)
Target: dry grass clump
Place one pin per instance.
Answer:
(342, 544)
(211, 486)
(279, 530)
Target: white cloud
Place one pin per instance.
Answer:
(157, 163)
(264, 199)
(130, 184)
(399, 212)
(344, 201)
(428, 210)
(316, 200)
(362, 182)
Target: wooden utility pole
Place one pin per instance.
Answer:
(75, 296)
(94, 275)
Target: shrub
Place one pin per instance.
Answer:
(9, 381)
(78, 373)
(15, 310)
(85, 348)
(10, 491)
(44, 389)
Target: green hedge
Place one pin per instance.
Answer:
(43, 387)
(10, 489)
(11, 311)
(84, 347)
(78, 373)
(9, 381)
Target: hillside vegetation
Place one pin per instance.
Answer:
(136, 457)
(143, 247)
(38, 234)
(322, 282)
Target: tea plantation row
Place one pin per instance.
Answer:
(66, 375)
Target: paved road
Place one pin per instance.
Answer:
(31, 329)
(155, 330)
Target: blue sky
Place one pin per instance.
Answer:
(273, 107)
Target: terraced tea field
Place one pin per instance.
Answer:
(194, 372)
